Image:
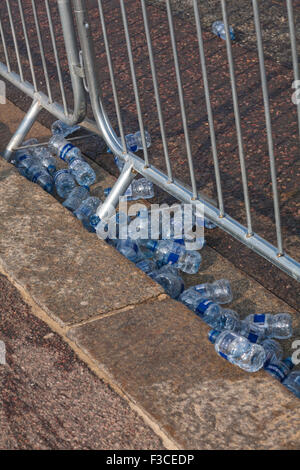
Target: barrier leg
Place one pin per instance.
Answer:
(23, 129)
(119, 188)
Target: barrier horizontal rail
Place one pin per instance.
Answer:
(26, 48)
(166, 179)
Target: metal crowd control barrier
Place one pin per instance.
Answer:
(133, 164)
(15, 36)
(166, 181)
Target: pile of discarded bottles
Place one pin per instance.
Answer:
(251, 343)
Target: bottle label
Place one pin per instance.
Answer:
(172, 258)
(203, 306)
(275, 370)
(65, 150)
(252, 338)
(260, 318)
(36, 176)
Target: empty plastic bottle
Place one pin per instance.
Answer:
(147, 265)
(292, 382)
(45, 158)
(24, 161)
(228, 320)
(63, 149)
(134, 142)
(169, 252)
(76, 197)
(64, 183)
(219, 291)
(274, 326)
(87, 208)
(82, 172)
(139, 189)
(169, 279)
(39, 175)
(129, 248)
(238, 350)
(63, 129)
(250, 331)
(279, 370)
(218, 28)
(273, 350)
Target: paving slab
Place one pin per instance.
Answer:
(159, 354)
(69, 272)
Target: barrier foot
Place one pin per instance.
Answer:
(111, 202)
(23, 129)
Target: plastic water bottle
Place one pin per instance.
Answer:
(63, 149)
(279, 370)
(274, 326)
(219, 291)
(64, 183)
(218, 28)
(82, 172)
(63, 129)
(45, 158)
(238, 350)
(273, 350)
(129, 248)
(87, 208)
(39, 175)
(147, 265)
(292, 382)
(138, 189)
(24, 161)
(169, 252)
(169, 279)
(76, 197)
(134, 141)
(250, 331)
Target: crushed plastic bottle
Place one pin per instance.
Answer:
(63, 129)
(219, 291)
(87, 208)
(280, 370)
(250, 331)
(292, 382)
(274, 326)
(273, 350)
(139, 189)
(147, 265)
(45, 158)
(218, 28)
(24, 161)
(238, 350)
(39, 175)
(76, 197)
(129, 248)
(63, 149)
(64, 183)
(169, 279)
(169, 252)
(82, 172)
(134, 142)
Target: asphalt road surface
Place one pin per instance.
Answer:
(51, 400)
